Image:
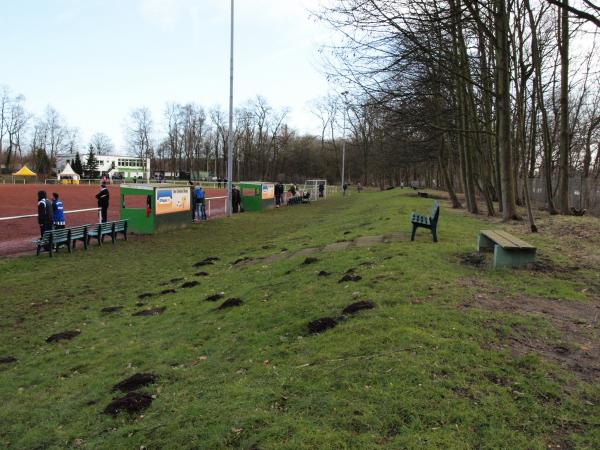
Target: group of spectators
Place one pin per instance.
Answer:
(51, 213)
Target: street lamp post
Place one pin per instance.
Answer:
(344, 94)
(230, 131)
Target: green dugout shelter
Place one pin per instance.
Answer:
(257, 196)
(154, 207)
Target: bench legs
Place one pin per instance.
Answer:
(485, 244)
(512, 258)
(433, 233)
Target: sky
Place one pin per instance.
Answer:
(96, 60)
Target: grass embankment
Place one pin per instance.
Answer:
(452, 356)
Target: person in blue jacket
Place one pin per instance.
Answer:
(199, 199)
(58, 211)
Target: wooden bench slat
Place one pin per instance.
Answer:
(499, 239)
(506, 240)
(515, 240)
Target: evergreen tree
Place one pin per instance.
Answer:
(91, 165)
(77, 166)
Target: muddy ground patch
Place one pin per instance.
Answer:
(577, 323)
(133, 403)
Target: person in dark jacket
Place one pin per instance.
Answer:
(44, 213)
(278, 194)
(236, 199)
(103, 197)
(321, 189)
(58, 212)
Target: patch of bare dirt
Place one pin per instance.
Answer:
(578, 323)
(215, 297)
(133, 403)
(358, 306)
(476, 259)
(7, 359)
(111, 309)
(64, 335)
(168, 291)
(350, 277)
(322, 324)
(189, 284)
(135, 381)
(230, 303)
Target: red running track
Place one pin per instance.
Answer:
(19, 200)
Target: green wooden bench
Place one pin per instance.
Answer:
(430, 222)
(509, 251)
(108, 229)
(53, 238)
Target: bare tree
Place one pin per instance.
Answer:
(139, 130)
(102, 144)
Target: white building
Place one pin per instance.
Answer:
(123, 166)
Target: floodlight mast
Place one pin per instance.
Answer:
(230, 131)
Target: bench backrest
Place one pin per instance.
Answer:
(79, 231)
(120, 225)
(435, 213)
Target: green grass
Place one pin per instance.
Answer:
(418, 371)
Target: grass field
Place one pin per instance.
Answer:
(453, 356)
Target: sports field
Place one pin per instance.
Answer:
(21, 199)
(313, 326)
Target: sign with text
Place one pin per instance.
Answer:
(268, 191)
(172, 200)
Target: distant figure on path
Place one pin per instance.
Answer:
(58, 211)
(44, 213)
(321, 189)
(278, 194)
(345, 187)
(103, 197)
(236, 199)
(359, 188)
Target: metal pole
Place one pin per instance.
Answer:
(228, 207)
(344, 144)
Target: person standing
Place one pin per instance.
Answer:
(321, 190)
(103, 197)
(278, 194)
(58, 212)
(236, 199)
(199, 202)
(44, 213)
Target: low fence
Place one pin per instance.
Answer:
(577, 190)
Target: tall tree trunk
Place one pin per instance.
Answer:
(503, 111)
(563, 182)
